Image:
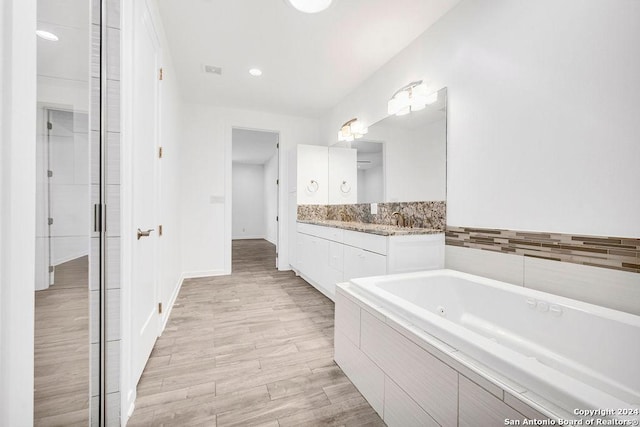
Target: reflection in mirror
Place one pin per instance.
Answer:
(356, 173)
(370, 171)
(62, 337)
(401, 159)
(343, 176)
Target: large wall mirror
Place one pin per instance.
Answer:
(68, 349)
(401, 159)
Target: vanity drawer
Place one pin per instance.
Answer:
(329, 233)
(366, 241)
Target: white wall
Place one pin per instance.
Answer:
(206, 184)
(542, 112)
(17, 209)
(248, 211)
(271, 199)
(70, 94)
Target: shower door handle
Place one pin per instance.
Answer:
(144, 233)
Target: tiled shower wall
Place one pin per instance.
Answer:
(110, 46)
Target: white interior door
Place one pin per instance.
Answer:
(68, 148)
(144, 298)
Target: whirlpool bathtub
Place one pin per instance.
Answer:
(576, 355)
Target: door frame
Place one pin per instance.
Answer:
(279, 184)
(17, 215)
(228, 223)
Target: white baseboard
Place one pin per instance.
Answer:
(130, 405)
(205, 273)
(68, 258)
(250, 237)
(171, 302)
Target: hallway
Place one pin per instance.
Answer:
(253, 348)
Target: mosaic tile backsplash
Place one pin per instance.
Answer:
(619, 253)
(430, 214)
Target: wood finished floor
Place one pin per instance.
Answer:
(253, 348)
(61, 348)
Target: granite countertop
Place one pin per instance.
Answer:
(379, 229)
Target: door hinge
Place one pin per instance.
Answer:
(160, 230)
(159, 308)
(277, 182)
(277, 218)
(49, 125)
(50, 221)
(278, 145)
(161, 75)
(50, 174)
(51, 268)
(159, 152)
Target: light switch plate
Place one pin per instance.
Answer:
(374, 208)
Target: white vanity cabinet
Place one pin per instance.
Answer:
(361, 263)
(328, 255)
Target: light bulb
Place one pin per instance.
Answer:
(47, 35)
(310, 6)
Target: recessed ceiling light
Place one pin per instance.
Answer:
(310, 6)
(256, 72)
(47, 35)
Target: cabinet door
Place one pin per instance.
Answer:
(336, 256)
(312, 175)
(313, 262)
(361, 263)
(302, 256)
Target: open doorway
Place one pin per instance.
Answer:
(255, 216)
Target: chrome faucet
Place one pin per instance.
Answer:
(399, 219)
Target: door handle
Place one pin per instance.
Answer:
(144, 233)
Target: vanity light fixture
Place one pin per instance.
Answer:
(353, 129)
(46, 35)
(310, 6)
(413, 97)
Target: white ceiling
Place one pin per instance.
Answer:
(252, 146)
(309, 61)
(69, 57)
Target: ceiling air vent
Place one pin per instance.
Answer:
(212, 69)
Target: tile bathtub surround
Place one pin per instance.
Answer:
(428, 214)
(619, 253)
